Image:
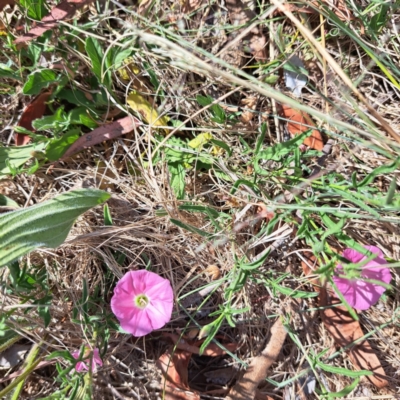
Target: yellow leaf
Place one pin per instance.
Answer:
(129, 65)
(200, 140)
(138, 103)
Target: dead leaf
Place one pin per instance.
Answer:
(34, 110)
(4, 3)
(212, 350)
(299, 122)
(250, 103)
(264, 212)
(213, 271)
(246, 387)
(65, 10)
(103, 133)
(174, 367)
(345, 330)
(241, 15)
(191, 5)
(138, 103)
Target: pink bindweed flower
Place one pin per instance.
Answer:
(359, 293)
(89, 356)
(142, 302)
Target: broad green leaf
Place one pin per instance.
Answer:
(16, 156)
(76, 97)
(39, 80)
(7, 202)
(119, 56)
(95, 52)
(177, 180)
(57, 121)
(44, 225)
(82, 116)
(57, 147)
(35, 8)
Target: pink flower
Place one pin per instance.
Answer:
(357, 292)
(90, 357)
(142, 302)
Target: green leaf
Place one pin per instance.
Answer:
(82, 116)
(7, 202)
(35, 8)
(345, 391)
(190, 228)
(391, 192)
(120, 55)
(95, 52)
(278, 151)
(57, 147)
(44, 225)
(223, 145)
(39, 80)
(177, 180)
(382, 170)
(7, 72)
(255, 264)
(296, 294)
(75, 97)
(344, 371)
(379, 20)
(107, 215)
(16, 156)
(57, 121)
(203, 209)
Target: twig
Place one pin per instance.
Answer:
(245, 388)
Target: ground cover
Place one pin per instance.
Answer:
(236, 149)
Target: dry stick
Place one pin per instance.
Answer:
(245, 388)
(335, 66)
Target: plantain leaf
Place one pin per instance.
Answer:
(44, 225)
(16, 156)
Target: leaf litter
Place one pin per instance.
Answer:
(142, 233)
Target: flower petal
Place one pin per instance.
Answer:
(375, 250)
(353, 255)
(162, 291)
(81, 367)
(159, 313)
(96, 358)
(138, 325)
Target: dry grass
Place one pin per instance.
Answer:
(180, 52)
